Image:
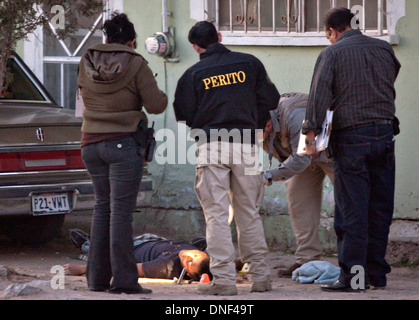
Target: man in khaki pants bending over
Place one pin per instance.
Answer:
(303, 176)
(225, 98)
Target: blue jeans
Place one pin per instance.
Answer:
(116, 171)
(364, 170)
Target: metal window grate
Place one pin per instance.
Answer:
(253, 17)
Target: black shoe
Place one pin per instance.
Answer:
(338, 286)
(130, 291)
(370, 286)
(287, 272)
(78, 237)
(376, 287)
(99, 288)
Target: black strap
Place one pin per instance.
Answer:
(275, 129)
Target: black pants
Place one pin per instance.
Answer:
(364, 173)
(116, 171)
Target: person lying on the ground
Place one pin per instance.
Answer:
(157, 257)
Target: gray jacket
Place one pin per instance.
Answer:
(291, 113)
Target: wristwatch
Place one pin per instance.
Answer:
(268, 177)
(310, 143)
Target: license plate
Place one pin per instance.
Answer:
(50, 203)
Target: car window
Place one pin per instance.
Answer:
(21, 87)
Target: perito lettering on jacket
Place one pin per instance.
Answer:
(224, 79)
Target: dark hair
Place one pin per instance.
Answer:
(338, 19)
(203, 268)
(119, 29)
(203, 34)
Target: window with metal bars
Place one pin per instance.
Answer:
(288, 16)
(294, 22)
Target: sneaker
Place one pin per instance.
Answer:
(261, 286)
(217, 289)
(78, 237)
(200, 243)
(287, 272)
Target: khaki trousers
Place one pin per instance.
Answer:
(304, 194)
(218, 185)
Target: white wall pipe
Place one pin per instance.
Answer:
(164, 14)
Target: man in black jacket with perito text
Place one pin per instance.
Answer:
(226, 98)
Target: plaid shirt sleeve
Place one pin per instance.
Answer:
(355, 77)
(321, 95)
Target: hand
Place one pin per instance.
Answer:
(311, 150)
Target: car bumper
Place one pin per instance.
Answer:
(17, 199)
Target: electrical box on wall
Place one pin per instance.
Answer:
(162, 44)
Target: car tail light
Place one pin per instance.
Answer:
(41, 161)
(74, 158)
(9, 162)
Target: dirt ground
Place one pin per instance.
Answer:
(24, 264)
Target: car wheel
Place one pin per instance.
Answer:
(34, 230)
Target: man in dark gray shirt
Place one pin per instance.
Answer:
(355, 78)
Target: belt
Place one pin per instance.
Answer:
(368, 124)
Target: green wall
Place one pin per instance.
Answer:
(407, 184)
(290, 68)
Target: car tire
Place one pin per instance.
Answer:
(33, 230)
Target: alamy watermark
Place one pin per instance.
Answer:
(58, 280)
(58, 20)
(358, 280)
(215, 146)
(358, 20)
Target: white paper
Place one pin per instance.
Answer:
(322, 140)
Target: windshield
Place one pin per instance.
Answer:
(21, 86)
